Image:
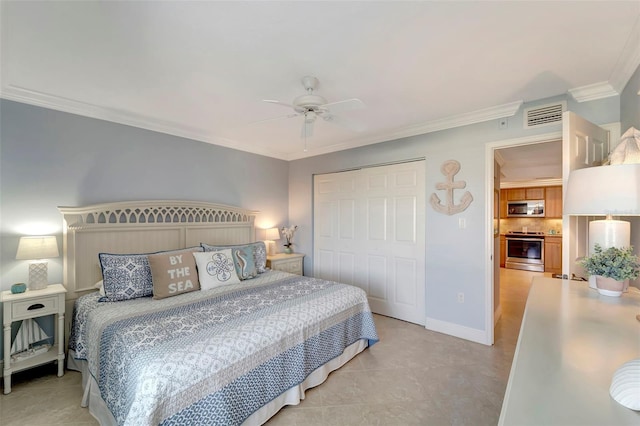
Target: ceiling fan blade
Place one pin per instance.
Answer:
(274, 118)
(284, 104)
(344, 122)
(345, 105)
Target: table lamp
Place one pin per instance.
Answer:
(605, 191)
(271, 235)
(609, 190)
(37, 249)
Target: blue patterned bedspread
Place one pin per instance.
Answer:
(216, 356)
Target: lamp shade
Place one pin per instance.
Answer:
(604, 190)
(30, 248)
(272, 234)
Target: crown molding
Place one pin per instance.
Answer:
(478, 116)
(459, 120)
(592, 92)
(629, 60)
(627, 64)
(129, 118)
(46, 100)
(59, 103)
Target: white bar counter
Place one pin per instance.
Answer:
(571, 342)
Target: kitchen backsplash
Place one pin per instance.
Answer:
(548, 226)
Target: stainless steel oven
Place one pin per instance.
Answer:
(525, 250)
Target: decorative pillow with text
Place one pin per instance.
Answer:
(128, 276)
(173, 274)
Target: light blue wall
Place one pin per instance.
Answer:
(50, 159)
(455, 259)
(630, 103)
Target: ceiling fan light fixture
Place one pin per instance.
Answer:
(308, 102)
(310, 116)
(312, 106)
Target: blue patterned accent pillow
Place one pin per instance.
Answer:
(128, 276)
(244, 262)
(258, 249)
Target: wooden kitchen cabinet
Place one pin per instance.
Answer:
(534, 193)
(515, 194)
(503, 250)
(519, 194)
(553, 254)
(553, 202)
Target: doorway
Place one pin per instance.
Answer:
(576, 141)
(493, 176)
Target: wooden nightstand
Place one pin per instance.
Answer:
(291, 263)
(33, 304)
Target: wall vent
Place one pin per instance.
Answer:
(544, 115)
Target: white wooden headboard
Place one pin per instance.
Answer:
(143, 227)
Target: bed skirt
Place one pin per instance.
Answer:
(98, 409)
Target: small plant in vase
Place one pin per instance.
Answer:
(288, 235)
(612, 267)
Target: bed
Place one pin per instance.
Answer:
(229, 354)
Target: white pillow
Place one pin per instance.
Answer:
(215, 269)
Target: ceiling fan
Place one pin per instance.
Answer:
(311, 106)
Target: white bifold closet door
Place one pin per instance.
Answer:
(369, 232)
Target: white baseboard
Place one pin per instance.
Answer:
(497, 314)
(457, 330)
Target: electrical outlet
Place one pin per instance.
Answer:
(462, 223)
(460, 297)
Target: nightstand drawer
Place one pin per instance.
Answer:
(293, 267)
(34, 308)
(291, 263)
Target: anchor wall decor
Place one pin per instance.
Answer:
(450, 168)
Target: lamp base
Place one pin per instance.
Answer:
(271, 247)
(608, 233)
(38, 276)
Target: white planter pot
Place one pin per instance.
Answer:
(609, 287)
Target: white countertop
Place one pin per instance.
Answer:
(571, 343)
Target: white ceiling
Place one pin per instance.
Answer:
(535, 162)
(202, 69)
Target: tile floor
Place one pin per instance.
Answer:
(411, 377)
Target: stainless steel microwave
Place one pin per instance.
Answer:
(529, 208)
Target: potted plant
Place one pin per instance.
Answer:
(288, 235)
(612, 267)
